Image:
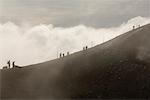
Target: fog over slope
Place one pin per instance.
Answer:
(27, 44)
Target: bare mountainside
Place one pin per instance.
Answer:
(119, 68)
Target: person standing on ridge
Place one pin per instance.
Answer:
(60, 55)
(13, 64)
(8, 64)
(86, 47)
(133, 27)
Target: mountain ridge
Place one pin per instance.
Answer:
(118, 68)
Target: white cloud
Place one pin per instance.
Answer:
(26, 44)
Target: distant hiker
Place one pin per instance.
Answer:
(8, 64)
(60, 55)
(63, 55)
(67, 53)
(86, 47)
(133, 27)
(13, 64)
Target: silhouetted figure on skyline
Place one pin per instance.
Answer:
(133, 27)
(63, 55)
(60, 55)
(8, 64)
(13, 64)
(86, 47)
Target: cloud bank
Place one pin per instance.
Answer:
(28, 44)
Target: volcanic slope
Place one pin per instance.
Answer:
(119, 68)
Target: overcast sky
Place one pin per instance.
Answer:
(66, 13)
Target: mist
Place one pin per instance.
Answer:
(26, 44)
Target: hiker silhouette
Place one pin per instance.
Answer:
(8, 64)
(13, 64)
(86, 47)
(133, 27)
(60, 55)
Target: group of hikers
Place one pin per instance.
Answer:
(85, 48)
(60, 55)
(63, 55)
(138, 26)
(9, 65)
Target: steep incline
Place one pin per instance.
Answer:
(119, 68)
